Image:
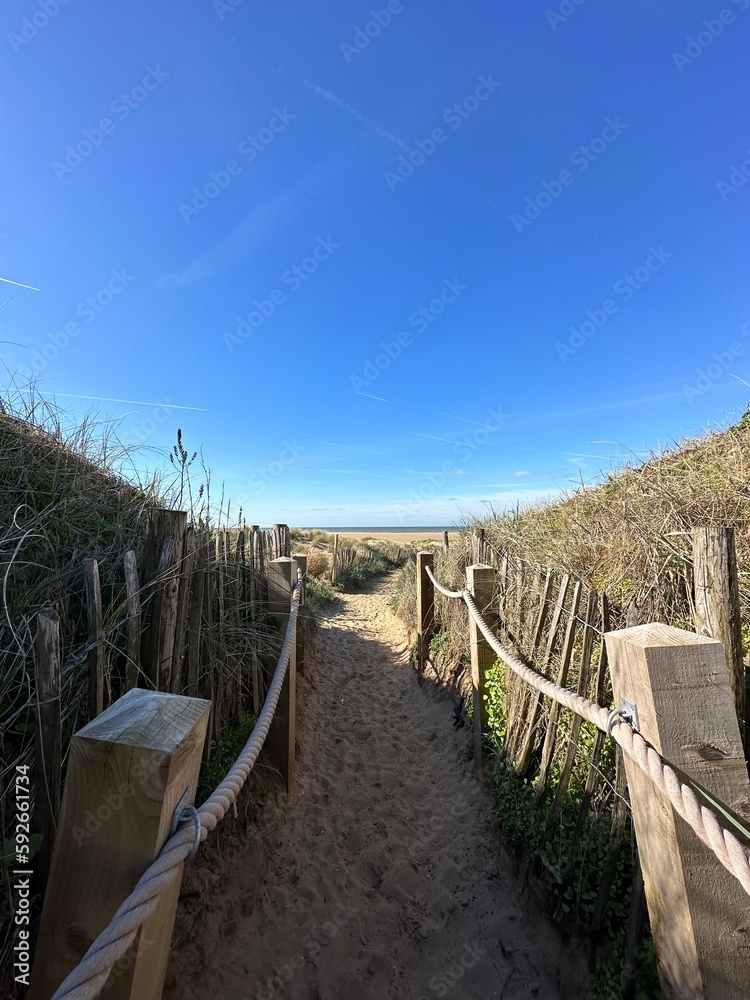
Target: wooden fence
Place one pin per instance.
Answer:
(556, 624)
(194, 621)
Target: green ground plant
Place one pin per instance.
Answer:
(569, 896)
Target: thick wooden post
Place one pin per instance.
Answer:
(717, 599)
(686, 711)
(282, 575)
(161, 583)
(425, 610)
(94, 636)
(301, 561)
(480, 581)
(48, 739)
(127, 770)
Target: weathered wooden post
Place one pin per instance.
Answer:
(480, 581)
(127, 771)
(48, 747)
(446, 544)
(334, 557)
(178, 679)
(717, 599)
(161, 581)
(93, 591)
(681, 687)
(301, 561)
(282, 575)
(425, 610)
(132, 590)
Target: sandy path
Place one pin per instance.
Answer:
(389, 881)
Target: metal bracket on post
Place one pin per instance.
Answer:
(183, 811)
(628, 712)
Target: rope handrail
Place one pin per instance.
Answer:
(86, 981)
(443, 590)
(728, 849)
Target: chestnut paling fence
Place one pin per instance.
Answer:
(561, 663)
(89, 977)
(184, 611)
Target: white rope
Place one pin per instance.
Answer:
(728, 849)
(443, 590)
(86, 981)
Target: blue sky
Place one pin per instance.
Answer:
(229, 208)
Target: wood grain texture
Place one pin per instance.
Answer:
(700, 917)
(280, 744)
(425, 609)
(717, 599)
(127, 770)
(480, 581)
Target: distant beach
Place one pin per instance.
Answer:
(392, 534)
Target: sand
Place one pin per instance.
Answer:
(388, 880)
(400, 537)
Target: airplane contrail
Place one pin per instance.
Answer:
(21, 285)
(140, 402)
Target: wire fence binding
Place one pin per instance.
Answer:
(87, 980)
(728, 849)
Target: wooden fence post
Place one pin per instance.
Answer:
(717, 599)
(425, 610)
(94, 638)
(334, 557)
(282, 575)
(686, 711)
(48, 750)
(133, 666)
(480, 581)
(127, 770)
(177, 680)
(161, 583)
(301, 561)
(446, 543)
